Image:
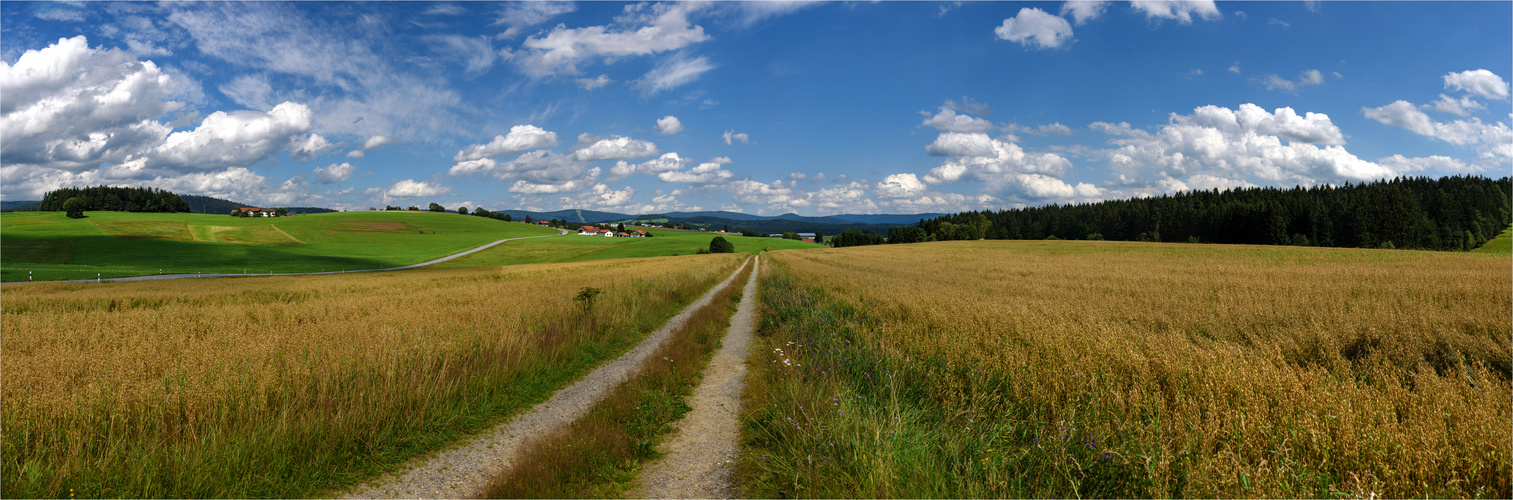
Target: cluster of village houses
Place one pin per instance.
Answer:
(594, 231)
(256, 212)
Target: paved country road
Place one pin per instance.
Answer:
(232, 275)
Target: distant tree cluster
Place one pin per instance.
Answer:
(1450, 213)
(721, 245)
(855, 238)
(114, 199)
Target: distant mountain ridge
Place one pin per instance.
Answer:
(719, 219)
(715, 219)
(21, 206)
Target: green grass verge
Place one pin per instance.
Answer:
(1501, 245)
(49, 246)
(573, 248)
(599, 455)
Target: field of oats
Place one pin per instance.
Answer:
(295, 386)
(1112, 369)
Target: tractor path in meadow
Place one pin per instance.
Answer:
(234, 275)
(463, 471)
(699, 459)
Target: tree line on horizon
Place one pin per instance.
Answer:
(114, 199)
(1455, 213)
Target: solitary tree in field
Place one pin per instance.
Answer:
(436, 207)
(280, 211)
(74, 207)
(720, 245)
(462, 210)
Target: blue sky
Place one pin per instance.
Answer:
(759, 107)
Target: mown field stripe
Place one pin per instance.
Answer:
(464, 471)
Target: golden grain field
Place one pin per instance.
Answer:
(1155, 370)
(283, 386)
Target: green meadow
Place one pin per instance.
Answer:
(1502, 244)
(51, 246)
(573, 247)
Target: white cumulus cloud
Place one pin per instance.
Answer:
(665, 163)
(900, 186)
(705, 173)
(238, 138)
(961, 144)
(731, 135)
(72, 107)
(648, 30)
(309, 147)
(1492, 140)
(410, 188)
(949, 120)
(334, 173)
(593, 148)
(376, 141)
(1480, 82)
(669, 125)
(1277, 147)
(1463, 106)
(1084, 10)
(1035, 28)
(520, 138)
(1181, 10)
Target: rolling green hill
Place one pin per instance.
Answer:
(572, 248)
(1502, 243)
(114, 244)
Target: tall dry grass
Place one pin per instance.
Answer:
(1134, 370)
(290, 386)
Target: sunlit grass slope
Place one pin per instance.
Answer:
(52, 246)
(572, 248)
(286, 387)
(1501, 245)
(1111, 369)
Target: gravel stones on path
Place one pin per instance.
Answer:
(464, 471)
(700, 459)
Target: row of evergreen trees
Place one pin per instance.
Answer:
(1449, 213)
(116, 199)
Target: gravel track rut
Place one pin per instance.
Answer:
(700, 459)
(463, 471)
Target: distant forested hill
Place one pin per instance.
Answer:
(207, 205)
(116, 199)
(20, 206)
(1449, 213)
(309, 210)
